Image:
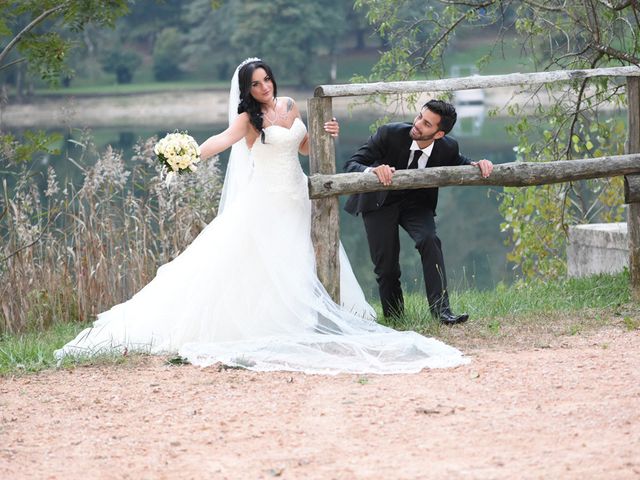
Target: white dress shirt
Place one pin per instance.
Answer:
(422, 161)
(424, 158)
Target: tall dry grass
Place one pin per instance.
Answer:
(70, 251)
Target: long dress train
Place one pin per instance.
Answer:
(245, 292)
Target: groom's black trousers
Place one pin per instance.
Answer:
(403, 209)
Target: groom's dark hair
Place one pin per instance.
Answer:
(247, 102)
(447, 112)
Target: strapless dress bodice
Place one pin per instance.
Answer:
(276, 165)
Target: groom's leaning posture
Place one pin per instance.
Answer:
(398, 146)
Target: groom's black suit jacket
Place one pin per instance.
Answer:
(390, 145)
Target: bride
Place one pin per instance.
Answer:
(245, 292)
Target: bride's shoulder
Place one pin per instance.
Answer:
(289, 103)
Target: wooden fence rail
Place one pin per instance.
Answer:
(466, 83)
(325, 185)
(515, 174)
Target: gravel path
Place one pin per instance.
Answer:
(566, 411)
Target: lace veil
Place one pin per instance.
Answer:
(239, 167)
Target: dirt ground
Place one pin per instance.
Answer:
(569, 410)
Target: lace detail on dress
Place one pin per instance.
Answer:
(276, 163)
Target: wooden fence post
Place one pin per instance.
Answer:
(631, 183)
(324, 212)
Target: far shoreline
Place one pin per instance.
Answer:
(193, 107)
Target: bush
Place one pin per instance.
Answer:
(167, 53)
(121, 62)
(68, 252)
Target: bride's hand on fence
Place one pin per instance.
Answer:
(332, 127)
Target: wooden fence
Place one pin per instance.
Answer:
(325, 185)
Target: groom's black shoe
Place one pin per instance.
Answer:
(447, 317)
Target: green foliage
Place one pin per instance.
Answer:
(14, 150)
(537, 218)
(299, 39)
(34, 31)
(24, 26)
(525, 300)
(167, 54)
(47, 54)
(569, 35)
(210, 31)
(32, 350)
(288, 34)
(121, 62)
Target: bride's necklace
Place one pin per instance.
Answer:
(276, 116)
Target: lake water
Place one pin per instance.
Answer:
(468, 219)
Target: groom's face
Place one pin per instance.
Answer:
(426, 126)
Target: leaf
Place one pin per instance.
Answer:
(178, 360)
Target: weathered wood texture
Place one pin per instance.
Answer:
(515, 174)
(324, 212)
(465, 83)
(633, 212)
(632, 189)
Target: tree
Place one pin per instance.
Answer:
(23, 24)
(289, 34)
(208, 45)
(167, 55)
(122, 62)
(36, 32)
(147, 18)
(556, 34)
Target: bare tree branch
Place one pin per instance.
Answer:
(444, 35)
(30, 27)
(11, 64)
(617, 54)
(619, 7)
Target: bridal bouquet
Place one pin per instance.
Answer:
(178, 153)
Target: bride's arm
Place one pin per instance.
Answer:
(220, 142)
(332, 127)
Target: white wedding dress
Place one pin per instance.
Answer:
(245, 292)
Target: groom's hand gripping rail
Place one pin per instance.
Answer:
(514, 174)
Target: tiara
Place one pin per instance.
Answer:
(249, 60)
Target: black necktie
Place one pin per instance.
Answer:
(414, 161)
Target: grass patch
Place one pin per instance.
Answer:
(131, 88)
(33, 351)
(521, 315)
(541, 296)
(534, 313)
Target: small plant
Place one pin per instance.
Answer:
(575, 329)
(631, 324)
(177, 360)
(494, 327)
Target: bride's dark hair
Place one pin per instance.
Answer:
(247, 102)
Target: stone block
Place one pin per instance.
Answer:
(597, 248)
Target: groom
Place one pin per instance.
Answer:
(398, 146)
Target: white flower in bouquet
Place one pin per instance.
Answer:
(178, 153)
